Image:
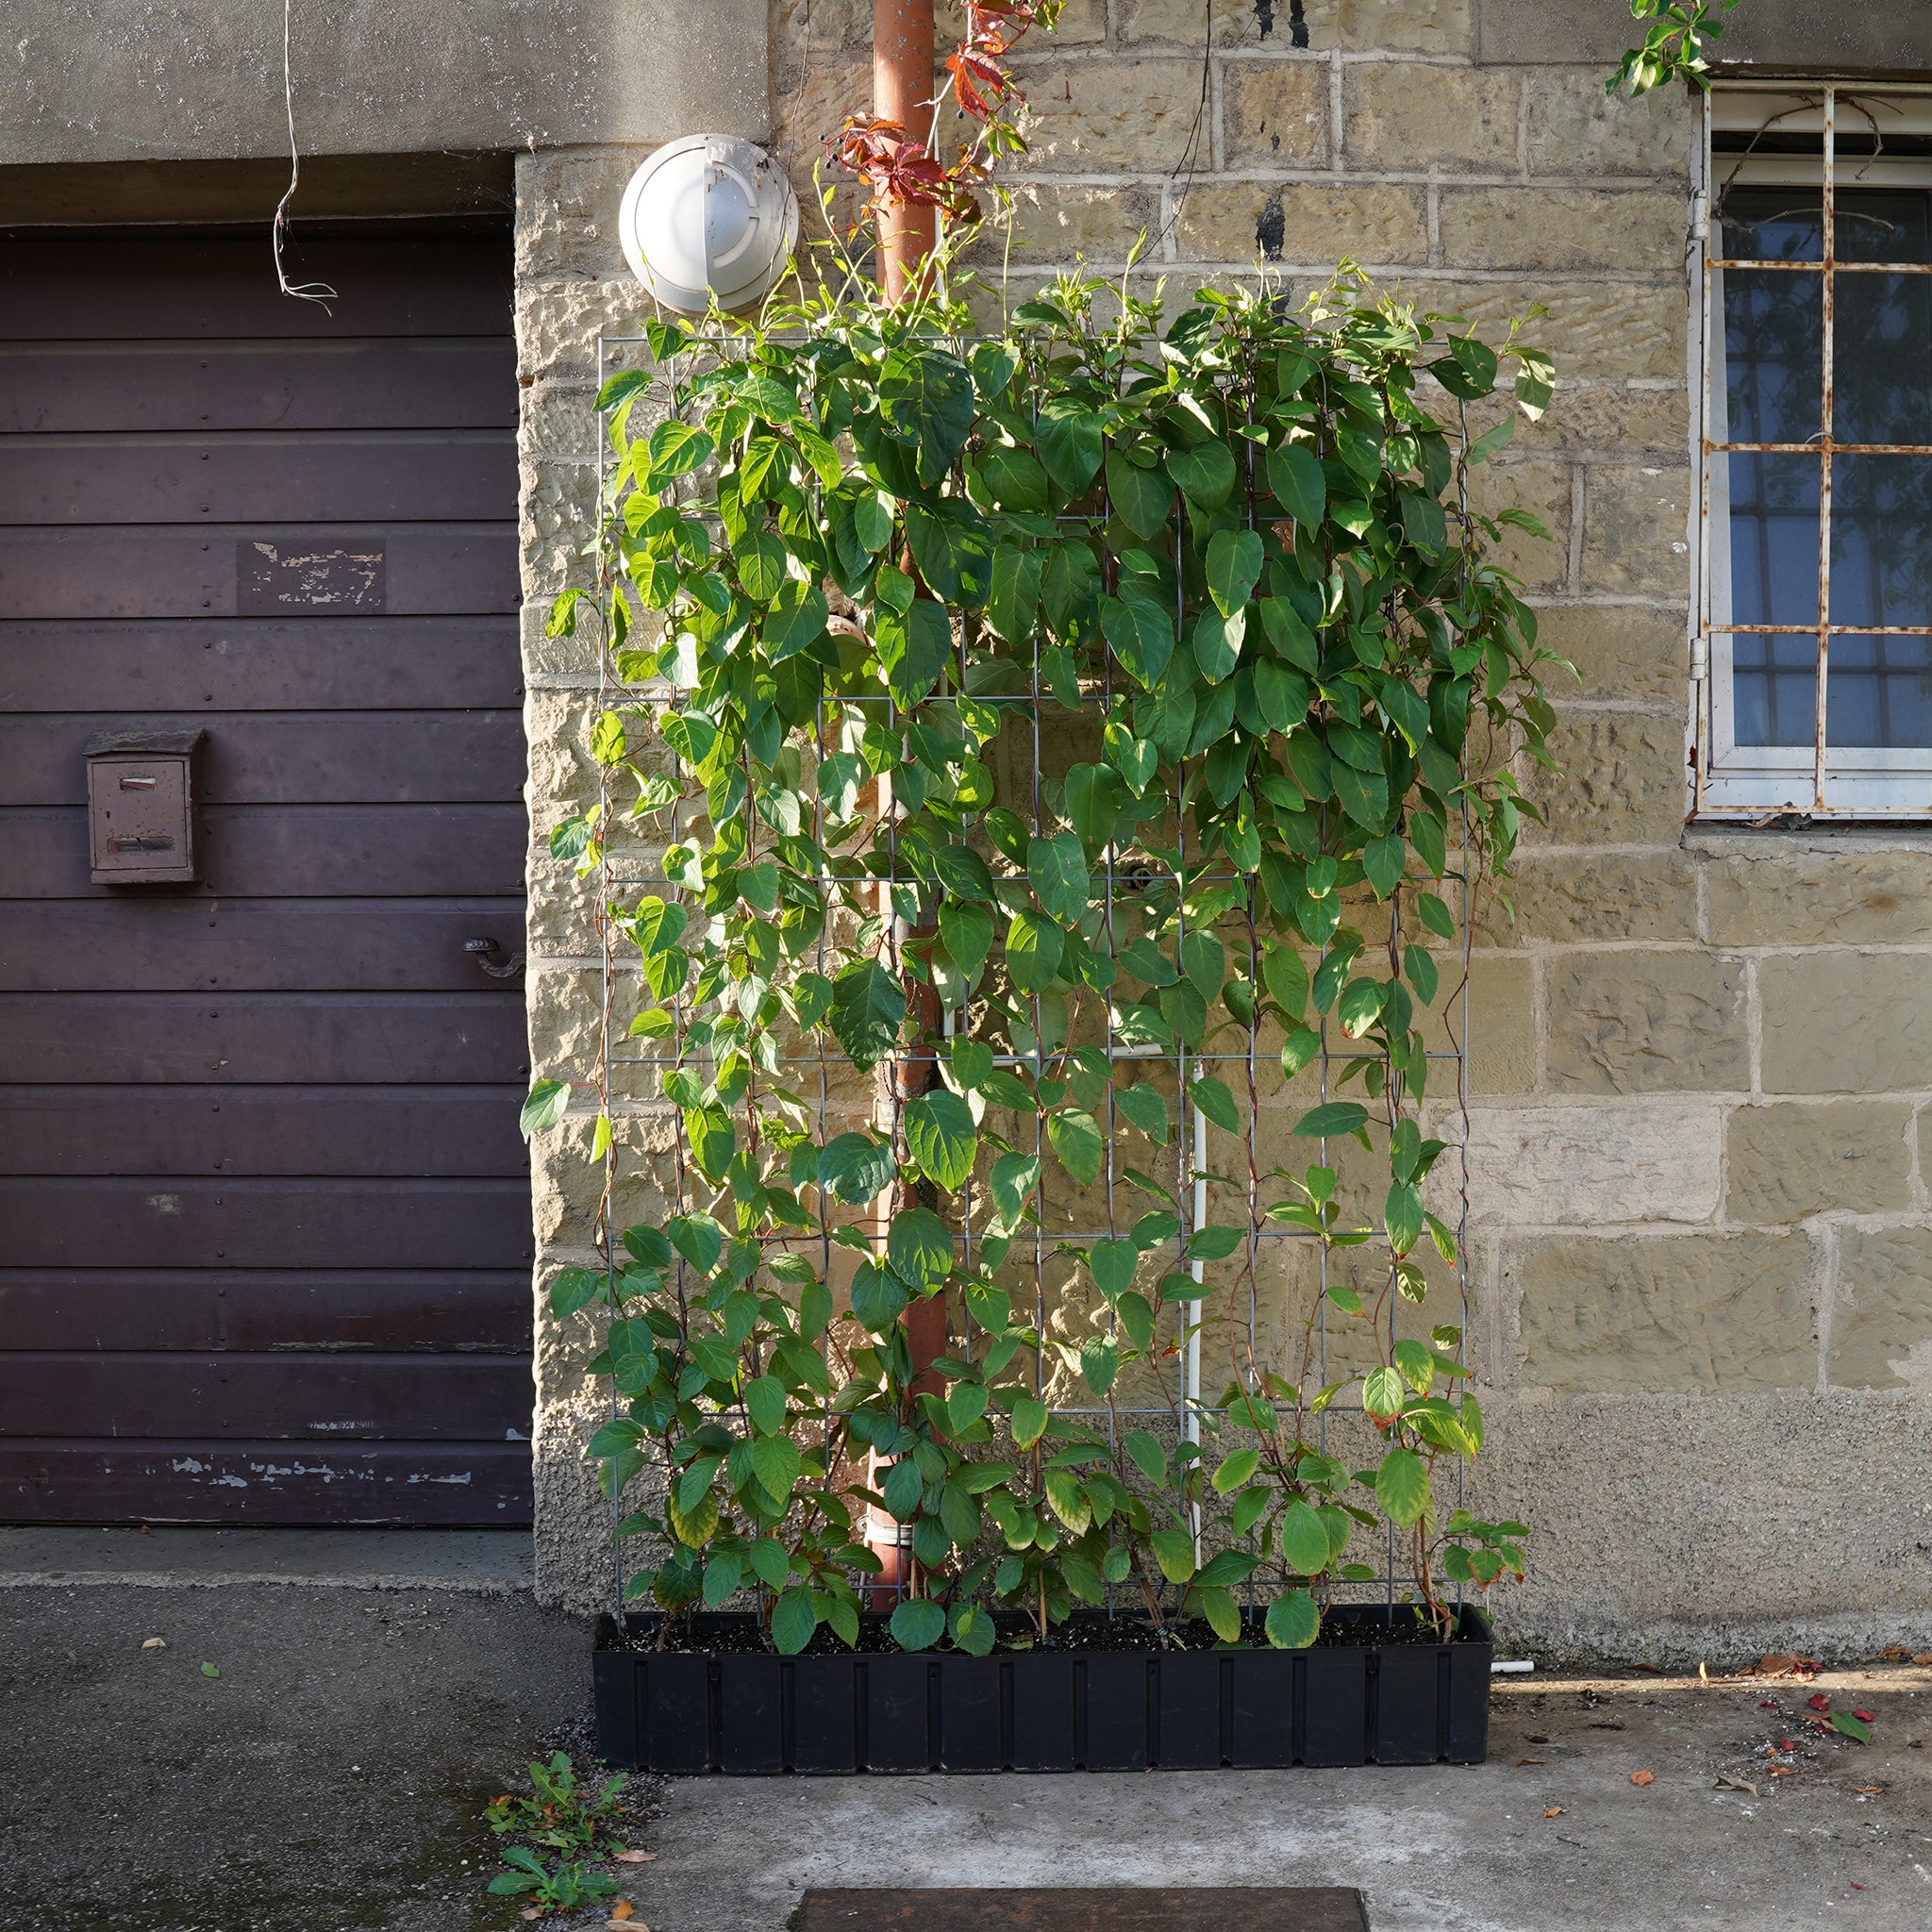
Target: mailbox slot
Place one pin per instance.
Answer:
(140, 808)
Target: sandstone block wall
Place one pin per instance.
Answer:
(1702, 1270)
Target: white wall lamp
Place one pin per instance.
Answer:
(711, 215)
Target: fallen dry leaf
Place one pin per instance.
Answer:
(1782, 1771)
(627, 1924)
(1643, 1778)
(1767, 1704)
(1818, 1700)
(1522, 1761)
(156, 1644)
(635, 1858)
(1865, 1717)
(1922, 1657)
(1895, 1653)
(529, 1912)
(1730, 1783)
(1555, 1811)
(1870, 1791)
(621, 1909)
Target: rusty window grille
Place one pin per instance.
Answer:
(1812, 667)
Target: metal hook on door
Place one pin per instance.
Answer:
(487, 952)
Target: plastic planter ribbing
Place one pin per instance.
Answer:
(1067, 1708)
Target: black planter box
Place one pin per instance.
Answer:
(1062, 1709)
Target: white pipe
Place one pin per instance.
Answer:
(1190, 1426)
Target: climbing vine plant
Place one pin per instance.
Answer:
(1110, 715)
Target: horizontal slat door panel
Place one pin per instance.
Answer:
(473, 1312)
(262, 757)
(263, 664)
(265, 1216)
(133, 945)
(265, 1038)
(436, 1484)
(106, 1223)
(272, 571)
(261, 1130)
(255, 852)
(83, 291)
(318, 1398)
(381, 383)
(316, 475)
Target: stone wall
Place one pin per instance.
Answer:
(1703, 1264)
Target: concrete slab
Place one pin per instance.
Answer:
(1549, 1836)
(472, 1559)
(332, 1776)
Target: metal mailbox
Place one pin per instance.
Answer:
(140, 808)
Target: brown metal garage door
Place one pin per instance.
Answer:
(264, 1216)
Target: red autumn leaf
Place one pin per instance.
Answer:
(1867, 1717)
(1643, 1778)
(1818, 1700)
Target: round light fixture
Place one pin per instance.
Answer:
(711, 215)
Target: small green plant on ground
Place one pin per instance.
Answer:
(558, 1812)
(560, 1887)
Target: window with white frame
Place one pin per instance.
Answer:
(1814, 678)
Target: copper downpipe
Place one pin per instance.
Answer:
(902, 41)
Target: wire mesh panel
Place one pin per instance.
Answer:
(1023, 928)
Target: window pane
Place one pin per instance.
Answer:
(1878, 691)
(1882, 224)
(1882, 356)
(1881, 540)
(1774, 515)
(1774, 355)
(1774, 688)
(1775, 225)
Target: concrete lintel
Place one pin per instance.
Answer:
(126, 80)
(1781, 36)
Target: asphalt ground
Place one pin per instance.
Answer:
(332, 1776)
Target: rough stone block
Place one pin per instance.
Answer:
(1760, 893)
(1054, 221)
(1847, 1023)
(1593, 1166)
(816, 100)
(1540, 485)
(1604, 330)
(1635, 1022)
(1635, 1314)
(1091, 116)
(1501, 1039)
(1786, 1161)
(1404, 116)
(1587, 415)
(1303, 221)
(1619, 895)
(1274, 111)
(1637, 229)
(1576, 130)
(566, 213)
(1395, 27)
(558, 322)
(1881, 1320)
(1626, 651)
(1619, 780)
(1636, 529)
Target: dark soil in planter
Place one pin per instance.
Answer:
(738, 1634)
